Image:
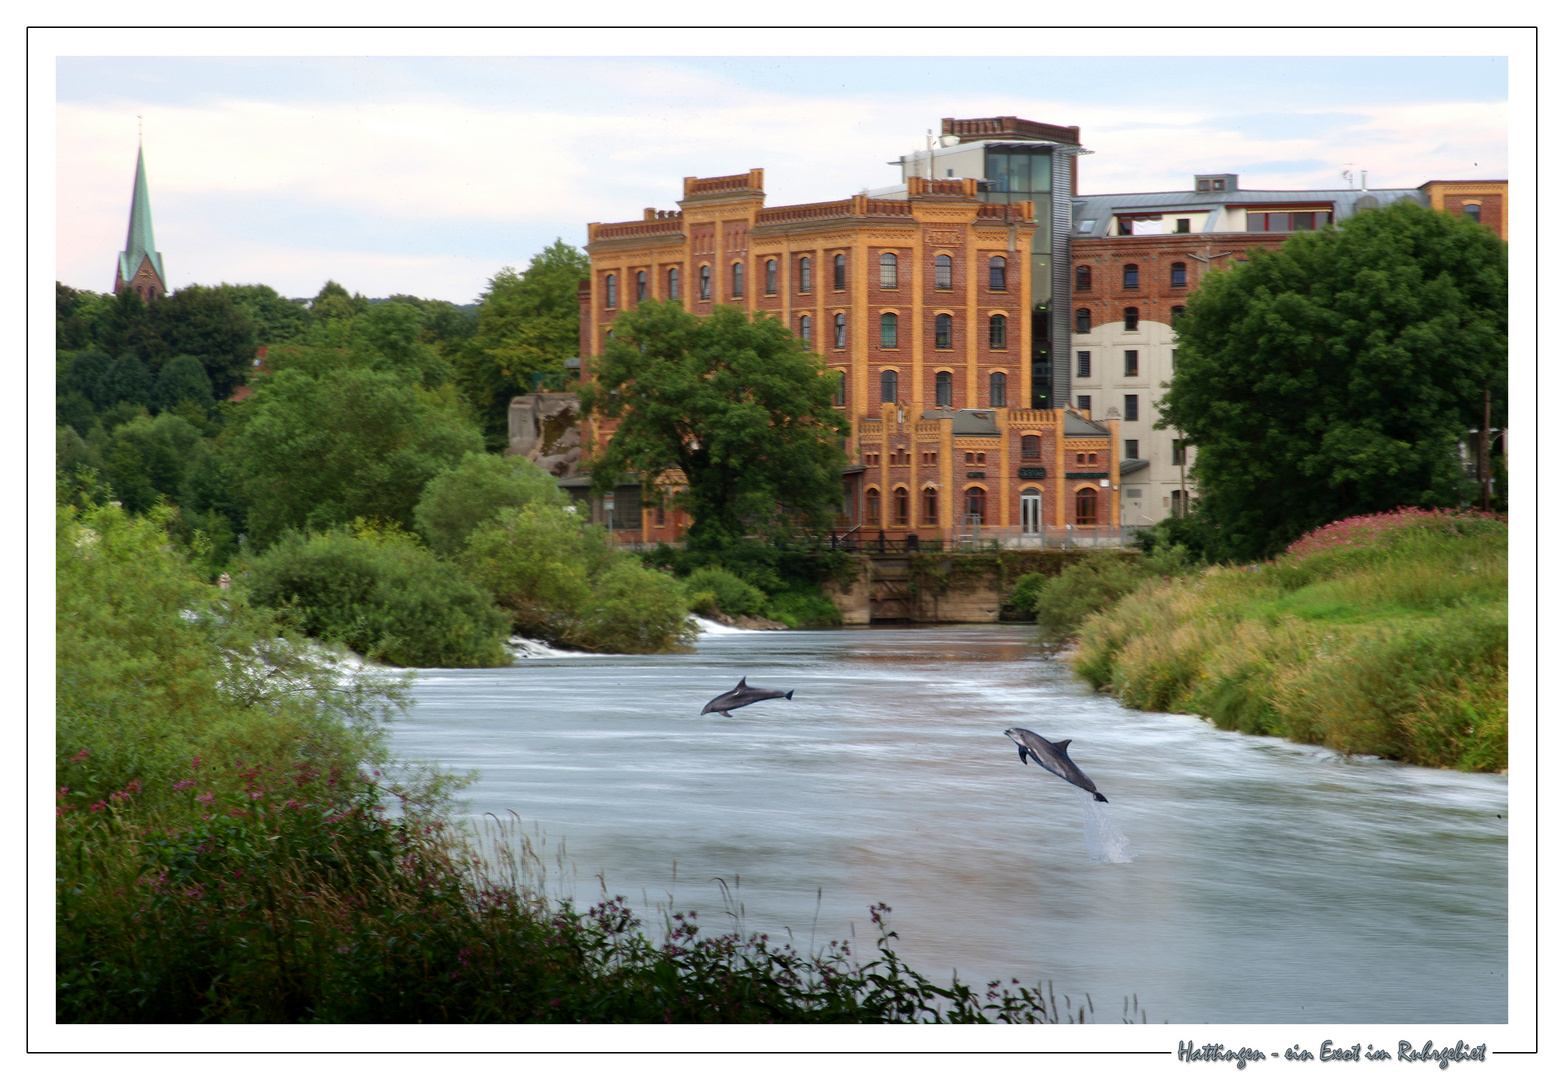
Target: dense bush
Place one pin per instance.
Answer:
(728, 593)
(457, 501)
(383, 595)
(1063, 602)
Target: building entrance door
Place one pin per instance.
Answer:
(1031, 512)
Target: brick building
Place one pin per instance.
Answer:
(921, 305)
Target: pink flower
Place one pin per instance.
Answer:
(80, 757)
(208, 798)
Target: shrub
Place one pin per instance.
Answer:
(460, 499)
(1062, 603)
(731, 594)
(804, 610)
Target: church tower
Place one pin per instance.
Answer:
(140, 265)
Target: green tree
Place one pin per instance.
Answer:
(742, 408)
(479, 487)
(128, 323)
(334, 304)
(276, 318)
(76, 314)
(311, 452)
(1336, 375)
(393, 332)
(208, 324)
(527, 323)
(183, 378)
(126, 380)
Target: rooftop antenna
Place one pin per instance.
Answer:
(1346, 174)
(929, 138)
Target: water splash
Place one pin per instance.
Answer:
(1104, 842)
(707, 626)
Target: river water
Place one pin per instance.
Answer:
(1268, 882)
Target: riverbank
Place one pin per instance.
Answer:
(1383, 635)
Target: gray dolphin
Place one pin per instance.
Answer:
(739, 696)
(1052, 756)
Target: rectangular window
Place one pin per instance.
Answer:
(1083, 365)
(1131, 448)
(1183, 225)
(1132, 361)
(1132, 406)
(1202, 185)
(1083, 402)
(1173, 359)
(1178, 451)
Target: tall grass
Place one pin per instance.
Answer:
(1381, 635)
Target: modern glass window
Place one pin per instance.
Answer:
(1289, 221)
(888, 330)
(996, 390)
(1083, 402)
(738, 279)
(871, 507)
(887, 386)
(977, 504)
(996, 274)
(1086, 506)
(1132, 361)
(1131, 276)
(930, 506)
(673, 283)
(1132, 318)
(888, 270)
(1180, 274)
(806, 331)
(1132, 406)
(771, 277)
(996, 331)
(640, 285)
(1083, 279)
(1083, 365)
(1131, 449)
(942, 276)
(900, 504)
(705, 283)
(1031, 448)
(805, 275)
(610, 291)
(840, 321)
(839, 272)
(1083, 320)
(942, 331)
(942, 389)
(1017, 169)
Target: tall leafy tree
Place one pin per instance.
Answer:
(742, 408)
(276, 317)
(527, 324)
(1338, 374)
(207, 323)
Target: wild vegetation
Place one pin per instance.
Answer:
(1382, 634)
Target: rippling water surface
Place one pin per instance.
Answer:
(1270, 882)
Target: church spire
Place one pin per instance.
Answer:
(140, 265)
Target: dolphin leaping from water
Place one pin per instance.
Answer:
(1052, 756)
(739, 696)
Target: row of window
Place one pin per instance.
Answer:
(889, 277)
(1131, 406)
(998, 386)
(1083, 318)
(1178, 272)
(975, 506)
(1083, 363)
(1031, 450)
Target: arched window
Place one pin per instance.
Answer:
(806, 331)
(839, 272)
(888, 270)
(942, 389)
(673, 283)
(977, 505)
(1083, 279)
(942, 271)
(1083, 320)
(738, 279)
(1086, 506)
(610, 291)
(1177, 315)
(887, 386)
(840, 321)
(996, 274)
(705, 283)
(888, 330)
(996, 331)
(805, 275)
(841, 390)
(871, 506)
(900, 505)
(942, 331)
(1473, 211)
(996, 390)
(1031, 448)
(1131, 276)
(640, 285)
(771, 277)
(1132, 318)
(1180, 274)
(930, 506)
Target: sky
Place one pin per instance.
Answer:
(426, 174)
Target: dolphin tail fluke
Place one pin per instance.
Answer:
(788, 695)
(1099, 796)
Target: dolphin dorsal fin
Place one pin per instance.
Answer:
(741, 685)
(1062, 743)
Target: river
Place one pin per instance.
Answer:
(1268, 882)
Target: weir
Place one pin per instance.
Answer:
(938, 587)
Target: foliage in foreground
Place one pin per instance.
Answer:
(1384, 634)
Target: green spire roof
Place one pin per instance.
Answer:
(138, 238)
